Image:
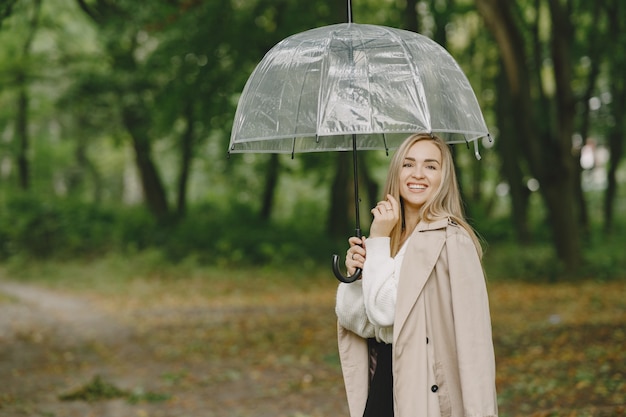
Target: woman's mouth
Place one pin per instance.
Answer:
(417, 186)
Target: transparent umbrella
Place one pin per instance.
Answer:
(354, 87)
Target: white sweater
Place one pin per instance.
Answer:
(367, 306)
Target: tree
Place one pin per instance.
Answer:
(6, 8)
(616, 58)
(281, 19)
(120, 26)
(543, 121)
(22, 81)
(199, 68)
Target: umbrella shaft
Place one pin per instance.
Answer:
(355, 164)
(349, 11)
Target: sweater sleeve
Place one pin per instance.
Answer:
(472, 326)
(380, 282)
(350, 309)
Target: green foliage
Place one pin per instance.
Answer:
(232, 234)
(236, 236)
(603, 260)
(536, 263)
(208, 235)
(38, 228)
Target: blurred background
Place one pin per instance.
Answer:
(115, 119)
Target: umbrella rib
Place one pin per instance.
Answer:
(362, 43)
(323, 81)
(419, 90)
(385, 143)
(295, 127)
(264, 75)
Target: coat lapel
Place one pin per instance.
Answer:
(420, 258)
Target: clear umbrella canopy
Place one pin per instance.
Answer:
(354, 87)
(320, 89)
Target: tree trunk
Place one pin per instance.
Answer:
(616, 149)
(22, 133)
(269, 190)
(369, 184)
(548, 143)
(594, 56)
(509, 150)
(341, 195)
(616, 139)
(616, 12)
(564, 209)
(186, 154)
(410, 16)
(135, 122)
(516, 132)
(135, 115)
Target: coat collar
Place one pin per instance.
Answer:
(434, 225)
(420, 258)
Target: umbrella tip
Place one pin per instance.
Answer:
(476, 152)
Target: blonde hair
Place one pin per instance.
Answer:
(445, 202)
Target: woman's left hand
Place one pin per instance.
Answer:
(386, 216)
(355, 258)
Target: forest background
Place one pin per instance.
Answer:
(115, 120)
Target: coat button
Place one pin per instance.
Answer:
(426, 340)
(434, 388)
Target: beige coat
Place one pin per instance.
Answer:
(443, 359)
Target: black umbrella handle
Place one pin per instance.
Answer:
(351, 278)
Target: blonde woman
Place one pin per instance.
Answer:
(415, 332)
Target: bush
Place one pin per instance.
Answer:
(65, 229)
(212, 235)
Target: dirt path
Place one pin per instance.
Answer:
(53, 344)
(72, 320)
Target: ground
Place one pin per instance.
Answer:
(249, 345)
(54, 344)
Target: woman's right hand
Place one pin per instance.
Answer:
(386, 216)
(355, 257)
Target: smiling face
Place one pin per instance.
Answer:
(420, 174)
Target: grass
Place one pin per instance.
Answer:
(559, 346)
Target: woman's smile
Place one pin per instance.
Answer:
(417, 187)
(420, 174)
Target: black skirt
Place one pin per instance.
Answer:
(380, 397)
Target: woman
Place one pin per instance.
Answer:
(415, 332)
